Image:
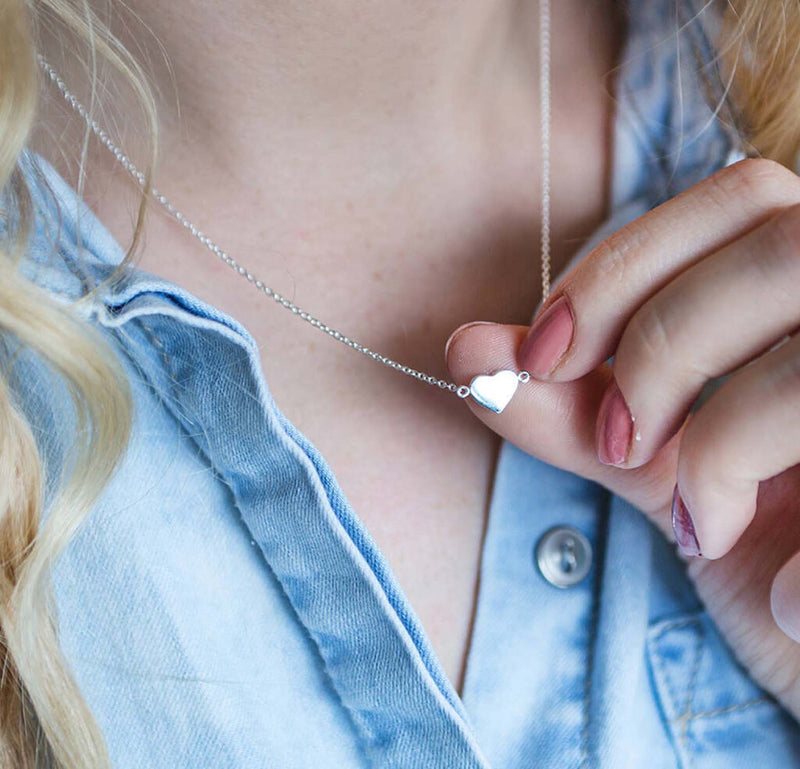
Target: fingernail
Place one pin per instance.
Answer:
(683, 526)
(614, 427)
(461, 328)
(548, 339)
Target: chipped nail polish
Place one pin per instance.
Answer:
(683, 526)
(614, 427)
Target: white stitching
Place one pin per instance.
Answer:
(675, 625)
(731, 708)
(601, 532)
(682, 723)
(657, 658)
(587, 684)
(687, 715)
(160, 345)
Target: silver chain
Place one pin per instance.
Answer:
(462, 391)
(544, 90)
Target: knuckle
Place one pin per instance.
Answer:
(706, 457)
(785, 228)
(786, 373)
(691, 469)
(758, 179)
(648, 335)
(776, 264)
(613, 257)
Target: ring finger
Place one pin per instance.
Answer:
(747, 432)
(714, 317)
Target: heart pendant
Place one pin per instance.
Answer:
(494, 391)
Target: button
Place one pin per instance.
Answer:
(564, 556)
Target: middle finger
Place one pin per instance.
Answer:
(598, 297)
(716, 316)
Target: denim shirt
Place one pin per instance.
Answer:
(223, 606)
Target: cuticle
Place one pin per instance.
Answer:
(612, 382)
(463, 327)
(629, 447)
(568, 353)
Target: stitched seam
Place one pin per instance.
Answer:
(587, 688)
(675, 625)
(683, 722)
(175, 385)
(656, 658)
(364, 732)
(730, 708)
(602, 527)
(158, 343)
(687, 715)
(664, 677)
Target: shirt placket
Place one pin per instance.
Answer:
(369, 639)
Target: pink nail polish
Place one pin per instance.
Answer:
(614, 427)
(683, 526)
(548, 339)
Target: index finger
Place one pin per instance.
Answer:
(580, 325)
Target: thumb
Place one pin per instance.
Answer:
(555, 421)
(784, 598)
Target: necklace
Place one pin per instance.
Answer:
(492, 391)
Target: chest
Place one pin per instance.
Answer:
(398, 269)
(417, 469)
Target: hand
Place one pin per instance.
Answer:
(705, 285)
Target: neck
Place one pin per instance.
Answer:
(335, 119)
(271, 75)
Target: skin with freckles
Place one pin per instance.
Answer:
(379, 163)
(705, 285)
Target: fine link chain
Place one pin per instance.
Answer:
(128, 165)
(544, 85)
(463, 391)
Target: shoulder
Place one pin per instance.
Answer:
(69, 250)
(671, 127)
(55, 358)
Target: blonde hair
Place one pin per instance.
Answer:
(44, 721)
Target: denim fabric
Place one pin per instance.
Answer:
(224, 606)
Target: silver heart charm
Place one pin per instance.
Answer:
(496, 391)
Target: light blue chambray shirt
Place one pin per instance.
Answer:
(224, 607)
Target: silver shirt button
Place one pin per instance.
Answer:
(564, 556)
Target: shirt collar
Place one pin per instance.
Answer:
(72, 251)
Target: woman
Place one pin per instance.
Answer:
(269, 551)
